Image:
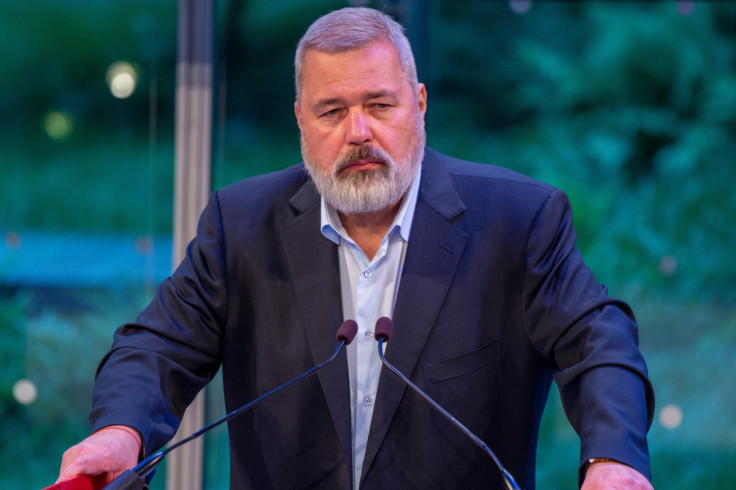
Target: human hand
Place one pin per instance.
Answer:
(109, 452)
(614, 476)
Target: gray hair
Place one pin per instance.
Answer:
(354, 28)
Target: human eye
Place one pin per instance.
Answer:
(330, 113)
(381, 105)
(380, 109)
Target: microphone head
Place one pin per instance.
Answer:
(384, 329)
(347, 331)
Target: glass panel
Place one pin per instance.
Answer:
(86, 152)
(627, 106)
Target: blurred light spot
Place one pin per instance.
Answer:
(670, 416)
(13, 240)
(685, 7)
(58, 125)
(520, 7)
(24, 392)
(122, 79)
(668, 265)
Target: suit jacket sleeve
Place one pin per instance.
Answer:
(601, 374)
(158, 364)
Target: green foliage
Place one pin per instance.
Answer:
(256, 56)
(55, 55)
(111, 171)
(102, 183)
(54, 339)
(632, 112)
(12, 357)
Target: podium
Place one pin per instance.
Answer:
(80, 482)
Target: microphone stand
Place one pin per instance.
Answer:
(381, 335)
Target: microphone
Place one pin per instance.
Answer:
(384, 329)
(135, 478)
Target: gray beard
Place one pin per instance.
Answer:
(365, 191)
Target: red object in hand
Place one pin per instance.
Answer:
(80, 482)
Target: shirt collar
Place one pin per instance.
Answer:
(332, 228)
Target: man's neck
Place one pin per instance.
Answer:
(368, 229)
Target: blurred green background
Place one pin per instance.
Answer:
(630, 107)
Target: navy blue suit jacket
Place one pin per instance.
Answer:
(494, 302)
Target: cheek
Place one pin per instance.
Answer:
(326, 142)
(397, 142)
(316, 134)
(321, 149)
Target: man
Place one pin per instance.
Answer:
(476, 265)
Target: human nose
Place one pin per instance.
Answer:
(358, 130)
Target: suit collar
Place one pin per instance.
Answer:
(313, 262)
(437, 189)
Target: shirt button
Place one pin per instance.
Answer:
(368, 400)
(367, 274)
(369, 335)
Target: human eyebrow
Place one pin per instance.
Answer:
(325, 104)
(381, 94)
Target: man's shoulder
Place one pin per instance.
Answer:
(278, 194)
(468, 172)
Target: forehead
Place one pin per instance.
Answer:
(376, 64)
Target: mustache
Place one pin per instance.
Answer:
(362, 152)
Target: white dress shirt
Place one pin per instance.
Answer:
(369, 290)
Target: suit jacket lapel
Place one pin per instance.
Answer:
(313, 261)
(434, 250)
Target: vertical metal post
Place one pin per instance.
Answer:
(193, 154)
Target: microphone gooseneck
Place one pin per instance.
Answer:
(135, 478)
(382, 333)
